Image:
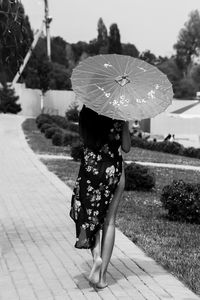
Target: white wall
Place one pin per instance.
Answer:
(58, 101)
(55, 102)
(29, 100)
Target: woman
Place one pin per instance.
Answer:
(98, 188)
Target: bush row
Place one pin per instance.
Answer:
(59, 121)
(59, 129)
(165, 146)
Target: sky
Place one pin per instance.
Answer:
(148, 24)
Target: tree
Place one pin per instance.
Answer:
(195, 75)
(8, 100)
(114, 40)
(102, 38)
(102, 32)
(15, 36)
(58, 51)
(185, 89)
(170, 68)
(130, 49)
(78, 49)
(59, 77)
(188, 43)
(93, 47)
(43, 71)
(148, 56)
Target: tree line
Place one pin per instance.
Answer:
(16, 36)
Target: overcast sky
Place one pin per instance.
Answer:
(148, 24)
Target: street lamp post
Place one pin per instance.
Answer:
(48, 20)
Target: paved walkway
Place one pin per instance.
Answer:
(38, 260)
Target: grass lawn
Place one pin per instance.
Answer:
(174, 245)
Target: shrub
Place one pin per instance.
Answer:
(45, 126)
(60, 121)
(138, 177)
(164, 146)
(72, 114)
(170, 147)
(42, 119)
(192, 152)
(182, 201)
(70, 137)
(73, 127)
(8, 100)
(77, 151)
(49, 132)
(57, 139)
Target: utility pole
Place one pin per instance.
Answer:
(48, 20)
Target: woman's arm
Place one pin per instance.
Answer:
(126, 139)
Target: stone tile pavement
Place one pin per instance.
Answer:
(38, 260)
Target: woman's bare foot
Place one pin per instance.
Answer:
(94, 274)
(102, 284)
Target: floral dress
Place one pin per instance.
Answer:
(98, 177)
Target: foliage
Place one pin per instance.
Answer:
(130, 49)
(148, 56)
(182, 201)
(15, 37)
(54, 124)
(53, 119)
(73, 127)
(72, 114)
(43, 119)
(166, 146)
(185, 89)
(43, 71)
(102, 38)
(70, 137)
(78, 49)
(170, 68)
(58, 51)
(195, 75)
(59, 77)
(39, 72)
(138, 178)
(192, 152)
(60, 121)
(188, 43)
(50, 131)
(114, 40)
(57, 139)
(45, 126)
(8, 100)
(77, 151)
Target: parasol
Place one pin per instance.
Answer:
(121, 87)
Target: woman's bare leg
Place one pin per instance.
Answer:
(96, 252)
(108, 237)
